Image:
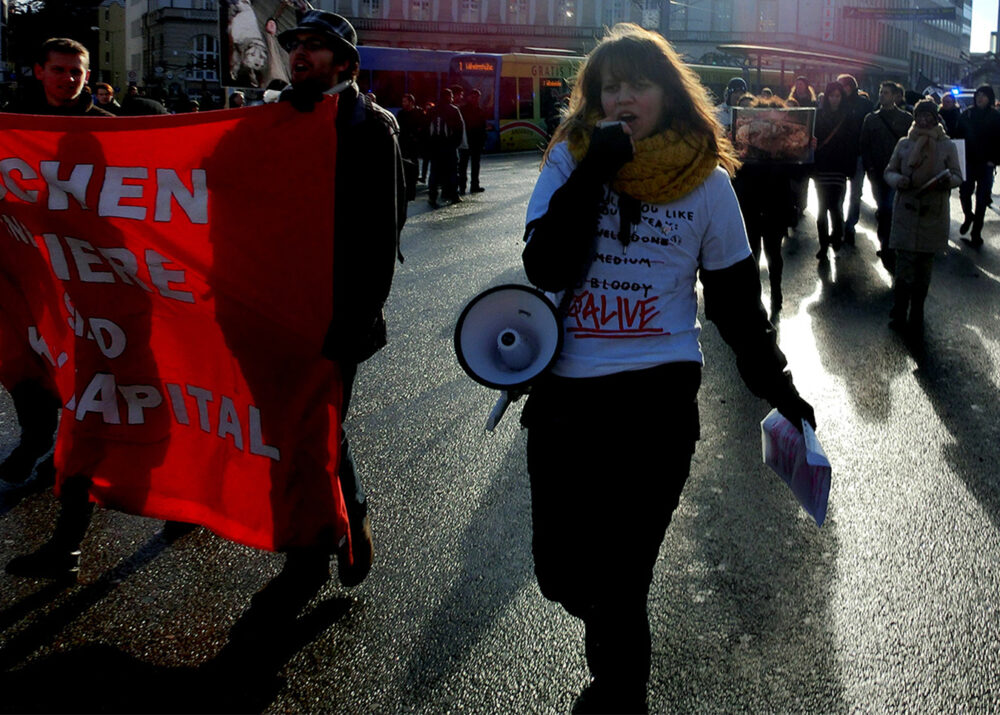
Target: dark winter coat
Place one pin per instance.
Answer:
(836, 142)
(980, 128)
(881, 130)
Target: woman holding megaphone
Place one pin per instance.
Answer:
(633, 202)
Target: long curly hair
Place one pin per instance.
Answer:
(629, 52)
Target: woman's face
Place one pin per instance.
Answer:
(835, 98)
(638, 103)
(924, 120)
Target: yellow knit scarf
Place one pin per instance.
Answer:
(666, 166)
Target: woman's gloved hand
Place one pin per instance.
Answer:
(610, 149)
(796, 410)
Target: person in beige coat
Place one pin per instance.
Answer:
(923, 170)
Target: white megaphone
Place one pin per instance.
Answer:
(506, 337)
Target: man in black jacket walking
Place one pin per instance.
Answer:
(369, 212)
(979, 125)
(881, 130)
(858, 106)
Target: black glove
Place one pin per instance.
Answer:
(796, 410)
(610, 149)
(303, 97)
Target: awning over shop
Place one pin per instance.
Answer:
(757, 53)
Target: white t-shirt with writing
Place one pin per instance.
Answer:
(637, 307)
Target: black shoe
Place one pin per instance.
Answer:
(966, 224)
(173, 530)
(433, 203)
(48, 562)
(821, 253)
(897, 324)
(849, 236)
(353, 566)
(595, 698)
(455, 200)
(461, 192)
(477, 190)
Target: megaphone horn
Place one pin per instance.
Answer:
(507, 336)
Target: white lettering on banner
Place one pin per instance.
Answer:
(109, 337)
(125, 265)
(38, 344)
(162, 278)
(7, 183)
(194, 203)
(18, 230)
(117, 183)
(139, 398)
(202, 397)
(177, 403)
(229, 422)
(59, 191)
(99, 397)
(114, 189)
(122, 265)
(85, 256)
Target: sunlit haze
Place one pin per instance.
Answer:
(984, 21)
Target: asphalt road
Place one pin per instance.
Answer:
(891, 605)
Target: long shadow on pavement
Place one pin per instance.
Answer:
(243, 677)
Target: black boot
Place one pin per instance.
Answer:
(901, 302)
(38, 414)
(59, 557)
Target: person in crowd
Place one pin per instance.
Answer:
(475, 132)
(445, 134)
(61, 71)
(62, 68)
(736, 88)
(880, 132)
(802, 92)
(764, 191)
(834, 160)
(858, 106)
(766, 93)
(642, 144)
(104, 97)
(135, 105)
(369, 211)
(950, 113)
(425, 156)
(979, 126)
(237, 99)
(801, 95)
(910, 99)
(412, 129)
(923, 169)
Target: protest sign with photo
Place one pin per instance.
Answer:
(772, 134)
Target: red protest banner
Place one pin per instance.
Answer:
(172, 278)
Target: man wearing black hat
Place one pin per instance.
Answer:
(736, 88)
(369, 211)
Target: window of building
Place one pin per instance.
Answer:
(371, 8)
(722, 15)
(615, 11)
(565, 12)
(508, 98)
(678, 17)
(767, 15)
(420, 9)
(203, 59)
(517, 12)
(525, 98)
(468, 11)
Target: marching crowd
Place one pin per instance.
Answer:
(640, 140)
(903, 145)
